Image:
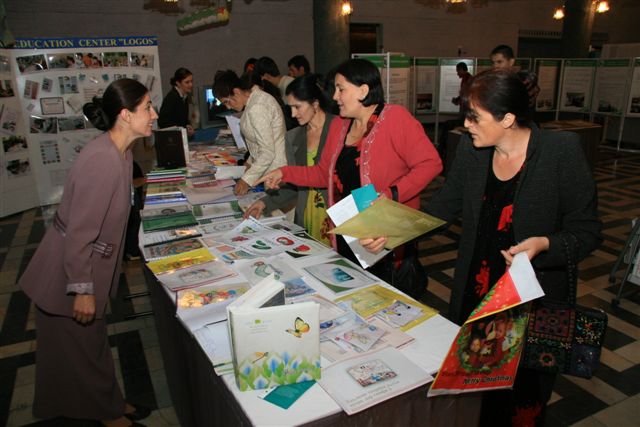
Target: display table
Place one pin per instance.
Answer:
(591, 134)
(201, 398)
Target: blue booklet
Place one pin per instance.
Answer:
(285, 395)
(364, 196)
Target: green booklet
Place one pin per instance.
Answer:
(168, 222)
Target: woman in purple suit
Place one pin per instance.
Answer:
(77, 267)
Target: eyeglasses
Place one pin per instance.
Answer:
(226, 101)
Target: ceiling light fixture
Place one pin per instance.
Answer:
(346, 8)
(558, 14)
(602, 6)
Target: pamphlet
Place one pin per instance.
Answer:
(360, 382)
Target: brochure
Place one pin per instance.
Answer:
(339, 275)
(362, 381)
(207, 304)
(196, 275)
(163, 250)
(176, 262)
(398, 222)
(394, 308)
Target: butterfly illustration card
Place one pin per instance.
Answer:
(272, 343)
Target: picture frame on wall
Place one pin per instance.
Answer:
(53, 105)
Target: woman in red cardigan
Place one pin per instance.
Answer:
(371, 143)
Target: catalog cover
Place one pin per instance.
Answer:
(176, 262)
(163, 250)
(196, 275)
(272, 343)
(339, 275)
(360, 382)
(486, 352)
(397, 310)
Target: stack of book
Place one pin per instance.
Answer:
(167, 175)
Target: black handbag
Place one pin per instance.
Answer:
(565, 338)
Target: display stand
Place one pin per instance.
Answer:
(44, 84)
(630, 256)
(548, 71)
(396, 73)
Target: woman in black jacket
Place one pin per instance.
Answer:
(517, 189)
(175, 106)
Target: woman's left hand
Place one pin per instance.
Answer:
(84, 308)
(374, 245)
(532, 246)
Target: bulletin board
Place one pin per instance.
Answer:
(44, 84)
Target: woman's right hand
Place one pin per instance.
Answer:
(374, 245)
(272, 179)
(255, 210)
(84, 308)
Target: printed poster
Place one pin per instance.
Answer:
(548, 79)
(426, 71)
(577, 83)
(611, 86)
(633, 109)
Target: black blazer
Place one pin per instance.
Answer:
(174, 110)
(556, 194)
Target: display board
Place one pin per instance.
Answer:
(611, 86)
(633, 106)
(578, 77)
(548, 71)
(450, 83)
(42, 121)
(426, 85)
(396, 73)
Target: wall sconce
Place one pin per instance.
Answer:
(558, 14)
(456, 1)
(346, 9)
(602, 6)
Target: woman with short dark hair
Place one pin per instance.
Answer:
(261, 124)
(372, 143)
(304, 145)
(175, 105)
(517, 189)
(76, 268)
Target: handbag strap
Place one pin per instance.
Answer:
(569, 242)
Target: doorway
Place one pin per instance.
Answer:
(365, 38)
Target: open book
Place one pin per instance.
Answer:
(273, 343)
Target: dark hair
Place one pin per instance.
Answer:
(504, 50)
(307, 88)
(180, 74)
(249, 62)
(300, 61)
(226, 80)
(266, 65)
(462, 66)
(362, 72)
(122, 93)
(499, 92)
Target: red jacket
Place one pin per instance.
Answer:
(396, 152)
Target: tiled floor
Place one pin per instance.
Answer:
(611, 398)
